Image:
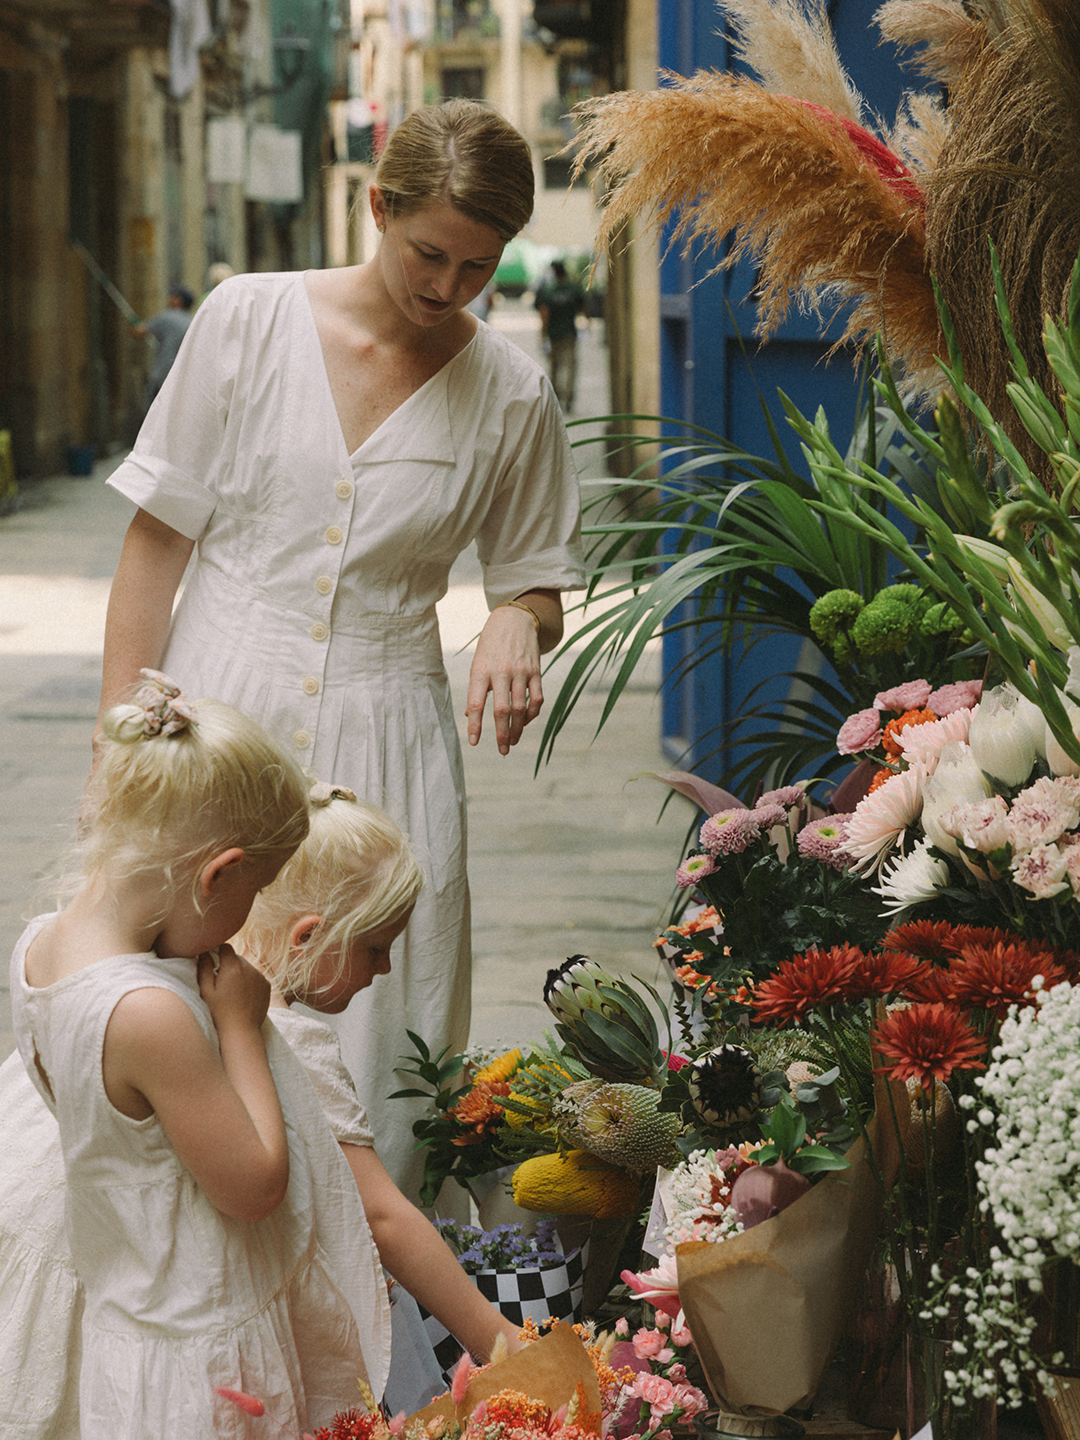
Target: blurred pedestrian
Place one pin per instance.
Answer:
(560, 301)
(168, 327)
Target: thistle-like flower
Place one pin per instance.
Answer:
(620, 1123)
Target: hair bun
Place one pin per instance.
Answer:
(322, 792)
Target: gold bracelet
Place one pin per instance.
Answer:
(520, 605)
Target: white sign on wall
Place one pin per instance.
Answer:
(226, 149)
(274, 171)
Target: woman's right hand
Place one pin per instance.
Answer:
(234, 991)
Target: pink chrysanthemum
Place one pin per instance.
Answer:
(693, 869)
(729, 831)
(825, 840)
(881, 819)
(790, 796)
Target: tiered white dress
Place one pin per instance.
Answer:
(177, 1297)
(312, 602)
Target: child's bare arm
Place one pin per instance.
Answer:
(415, 1254)
(223, 1117)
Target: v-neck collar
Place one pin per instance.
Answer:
(427, 437)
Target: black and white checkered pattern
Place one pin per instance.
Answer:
(521, 1295)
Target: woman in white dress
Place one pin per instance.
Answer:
(332, 441)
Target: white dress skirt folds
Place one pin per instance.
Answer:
(176, 1297)
(312, 603)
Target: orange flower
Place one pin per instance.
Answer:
(880, 776)
(479, 1112)
(807, 982)
(889, 741)
(927, 1043)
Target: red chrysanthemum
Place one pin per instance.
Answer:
(885, 972)
(927, 1043)
(890, 743)
(993, 977)
(807, 982)
(928, 939)
(930, 986)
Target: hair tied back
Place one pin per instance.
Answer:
(322, 792)
(157, 708)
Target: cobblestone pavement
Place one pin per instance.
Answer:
(572, 860)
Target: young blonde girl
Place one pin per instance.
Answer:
(320, 933)
(206, 1217)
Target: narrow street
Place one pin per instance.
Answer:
(573, 860)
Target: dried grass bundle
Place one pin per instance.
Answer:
(791, 48)
(1010, 171)
(952, 38)
(822, 206)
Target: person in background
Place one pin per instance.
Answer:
(215, 274)
(168, 328)
(560, 301)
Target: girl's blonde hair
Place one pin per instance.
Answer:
(179, 783)
(355, 871)
(463, 154)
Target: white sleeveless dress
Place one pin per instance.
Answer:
(179, 1298)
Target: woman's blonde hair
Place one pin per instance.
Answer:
(355, 871)
(179, 783)
(463, 154)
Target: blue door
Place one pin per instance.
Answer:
(707, 379)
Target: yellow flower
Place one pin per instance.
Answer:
(500, 1069)
(575, 1184)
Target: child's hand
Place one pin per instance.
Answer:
(233, 989)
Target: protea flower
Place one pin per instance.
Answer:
(605, 1022)
(725, 1087)
(620, 1123)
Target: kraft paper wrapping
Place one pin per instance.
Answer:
(550, 1370)
(766, 1308)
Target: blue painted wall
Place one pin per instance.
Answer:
(707, 379)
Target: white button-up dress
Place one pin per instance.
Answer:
(312, 602)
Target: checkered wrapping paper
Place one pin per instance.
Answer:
(521, 1295)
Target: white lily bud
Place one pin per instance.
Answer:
(994, 557)
(1052, 622)
(1000, 737)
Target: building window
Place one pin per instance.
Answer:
(464, 83)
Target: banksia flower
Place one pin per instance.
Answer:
(575, 1184)
(619, 1123)
(605, 1022)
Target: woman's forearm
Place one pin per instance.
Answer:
(144, 587)
(546, 605)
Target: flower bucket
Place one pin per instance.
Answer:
(526, 1294)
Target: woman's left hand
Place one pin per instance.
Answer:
(507, 666)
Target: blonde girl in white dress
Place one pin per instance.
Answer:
(321, 932)
(331, 441)
(204, 1225)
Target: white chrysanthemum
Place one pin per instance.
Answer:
(881, 820)
(912, 878)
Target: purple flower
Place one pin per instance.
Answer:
(730, 831)
(861, 731)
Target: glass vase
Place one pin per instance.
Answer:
(929, 1398)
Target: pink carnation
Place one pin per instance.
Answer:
(912, 696)
(689, 1399)
(1042, 871)
(960, 696)
(655, 1390)
(648, 1344)
(861, 731)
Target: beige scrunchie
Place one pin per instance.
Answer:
(158, 708)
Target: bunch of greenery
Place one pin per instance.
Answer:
(751, 548)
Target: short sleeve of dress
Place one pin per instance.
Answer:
(315, 1046)
(169, 471)
(531, 535)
